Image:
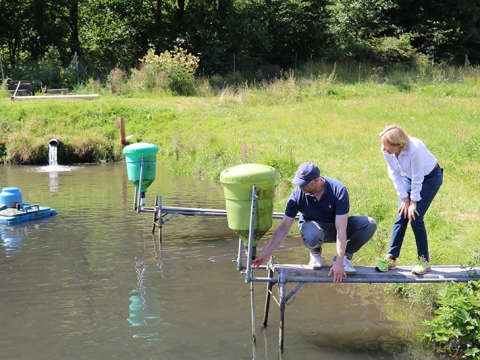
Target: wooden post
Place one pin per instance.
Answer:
(122, 130)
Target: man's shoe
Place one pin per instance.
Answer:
(423, 265)
(315, 261)
(386, 264)
(347, 265)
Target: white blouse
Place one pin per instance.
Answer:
(415, 162)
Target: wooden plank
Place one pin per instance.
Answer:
(368, 274)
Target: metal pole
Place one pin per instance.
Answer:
(18, 85)
(268, 294)
(253, 312)
(142, 164)
(281, 286)
(155, 214)
(249, 257)
(251, 230)
(160, 217)
(135, 200)
(239, 255)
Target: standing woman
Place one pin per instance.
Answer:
(416, 177)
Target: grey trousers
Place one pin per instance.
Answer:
(360, 230)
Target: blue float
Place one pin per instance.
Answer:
(14, 210)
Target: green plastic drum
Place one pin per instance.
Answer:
(238, 182)
(133, 156)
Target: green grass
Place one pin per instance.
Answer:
(334, 124)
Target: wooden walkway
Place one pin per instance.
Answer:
(281, 274)
(368, 274)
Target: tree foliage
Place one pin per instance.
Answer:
(107, 34)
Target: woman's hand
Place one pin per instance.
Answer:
(404, 206)
(412, 210)
(408, 209)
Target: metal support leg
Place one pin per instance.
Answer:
(253, 312)
(267, 296)
(155, 214)
(239, 255)
(281, 286)
(160, 217)
(140, 181)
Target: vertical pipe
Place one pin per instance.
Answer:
(139, 198)
(239, 255)
(160, 217)
(135, 200)
(253, 312)
(248, 273)
(18, 85)
(155, 214)
(281, 286)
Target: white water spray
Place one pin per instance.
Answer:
(52, 152)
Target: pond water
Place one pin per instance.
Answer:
(94, 283)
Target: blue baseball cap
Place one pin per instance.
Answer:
(306, 172)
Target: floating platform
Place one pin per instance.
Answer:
(24, 212)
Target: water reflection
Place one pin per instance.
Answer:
(53, 171)
(13, 235)
(145, 306)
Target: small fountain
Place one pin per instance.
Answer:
(53, 168)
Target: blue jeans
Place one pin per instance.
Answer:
(430, 186)
(360, 229)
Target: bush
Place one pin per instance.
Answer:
(116, 81)
(456, 328)
(177, 66)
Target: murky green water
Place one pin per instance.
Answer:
(94, 283)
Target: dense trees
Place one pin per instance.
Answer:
(110, 33)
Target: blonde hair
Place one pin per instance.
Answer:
(394, 135)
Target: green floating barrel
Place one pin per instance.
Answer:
(237, 183)
(133, 156)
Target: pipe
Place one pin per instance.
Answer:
(53, 142)
(18, 85)
(92, 96)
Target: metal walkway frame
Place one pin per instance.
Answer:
(283, 274)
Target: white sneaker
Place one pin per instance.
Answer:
(347, 265)
(315, 261)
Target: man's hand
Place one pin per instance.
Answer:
(338, 272)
